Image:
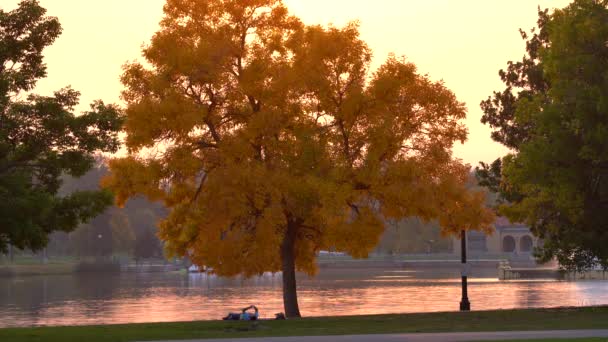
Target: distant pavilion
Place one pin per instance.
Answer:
(514, 241)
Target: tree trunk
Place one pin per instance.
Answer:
(290, 294)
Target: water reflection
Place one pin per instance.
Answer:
(104, 299)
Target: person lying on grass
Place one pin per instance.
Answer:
(244, 315)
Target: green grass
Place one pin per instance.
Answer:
(505, 320)
(32, 265)
(36, 260)
(37, 269)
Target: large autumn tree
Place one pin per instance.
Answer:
(553, 116)
(41, 139)
(270, 140)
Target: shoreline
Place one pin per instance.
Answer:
(400, 262)
(595, 317)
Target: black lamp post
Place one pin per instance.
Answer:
(429, 246)
(465, 305)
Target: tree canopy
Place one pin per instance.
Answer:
(270, 140)
(41, 138)
(553, 116)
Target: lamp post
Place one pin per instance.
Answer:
(430, 246)
(465, 305)
(11, 255)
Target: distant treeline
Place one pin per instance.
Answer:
(128, 232)
(412, 235)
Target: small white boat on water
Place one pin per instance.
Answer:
(196, 269)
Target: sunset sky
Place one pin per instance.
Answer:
(463, 42)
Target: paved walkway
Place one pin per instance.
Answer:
(435, 337)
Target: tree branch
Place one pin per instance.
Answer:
(200, 188)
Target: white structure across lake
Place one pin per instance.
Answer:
(512, 240)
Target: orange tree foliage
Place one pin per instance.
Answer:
(270, 140)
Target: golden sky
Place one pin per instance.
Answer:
(463, 42)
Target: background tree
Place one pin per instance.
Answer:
(41, 138)
(524, 80)
(272, 140)
(147, 245)
(412, 235)
(119, 227)
(107, 234)
(556, 124)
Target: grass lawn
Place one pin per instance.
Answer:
(504, 320)
(33, 266)
(37, 269)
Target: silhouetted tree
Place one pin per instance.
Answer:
(552, 114)
(41, 138)
(147, 245)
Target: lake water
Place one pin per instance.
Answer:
(161, 297)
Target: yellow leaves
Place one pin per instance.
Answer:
(432, 190)
(155, 113)
(426, 114)
(184, 160)
(357, 233)
(264, 122)
(131, 176)
(390, 79)
(466, 213)
(332, 64)
(236, 224)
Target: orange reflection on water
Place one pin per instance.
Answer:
(70, 300)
